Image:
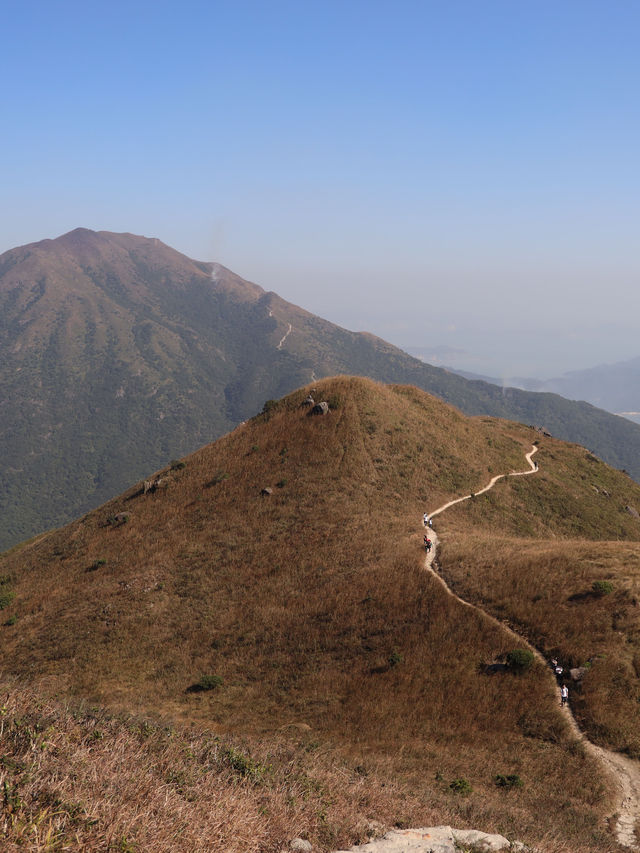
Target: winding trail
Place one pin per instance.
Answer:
(625, 771)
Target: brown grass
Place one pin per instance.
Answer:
(312, 606)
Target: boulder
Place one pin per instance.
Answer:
(481, 840)
(320, 409)
(308, 402)
(632, 511)
(300, 845)
(435, 839)
(577, 673)
(266, 491)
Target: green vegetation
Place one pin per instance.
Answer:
(206, 682)
(461, 786)
(519, 660)
(602, 587)
(508, 780)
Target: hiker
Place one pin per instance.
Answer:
(425, 519)
(427, 544)
(558, 670)
(564, 694)
(430, 522)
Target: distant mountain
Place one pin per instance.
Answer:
(614, 387)
(118, 353)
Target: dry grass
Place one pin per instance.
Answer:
(312, 607)
(75, 778)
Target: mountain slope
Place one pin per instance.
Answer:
(118, 353)
(311, 606)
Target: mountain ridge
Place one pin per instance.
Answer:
(118, 353)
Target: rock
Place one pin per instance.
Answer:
(309, 401)
(320, 409)
(633, 511)
(577, 673)
(300, 844)
(435, 839)
(481, 840)
(267, 491)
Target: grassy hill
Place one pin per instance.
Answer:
(324, 644)
(118, 353)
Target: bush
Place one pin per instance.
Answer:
(461, 786)
(511, 780)
(519, 660)
(601, 588)
(6, 598)
(395, 658)
(244, 765)
(96, 565)
(207, 682)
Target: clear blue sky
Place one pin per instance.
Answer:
(426, 171)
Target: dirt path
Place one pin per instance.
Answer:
(625, 772)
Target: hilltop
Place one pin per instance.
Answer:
(308, 615)
(118, 354)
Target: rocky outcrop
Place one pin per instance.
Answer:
(436, 839)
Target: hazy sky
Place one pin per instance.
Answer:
(461, 173)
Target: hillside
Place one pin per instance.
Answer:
(309, 610)
(118, 353)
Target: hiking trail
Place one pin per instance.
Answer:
(625, 771)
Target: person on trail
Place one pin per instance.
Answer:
(564, 694)
(430, 522)
(558, 670)
(425, 519)
(427, 544)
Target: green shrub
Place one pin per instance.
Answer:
(206, 682)
(177, 465)
(244, 765)
(601, 588)
(6, 598)
(510, 780)
(219, 478)
(395, 658)
(96, 565)
(282, 483)
(519, 660)
(11, 620)
(461, 786)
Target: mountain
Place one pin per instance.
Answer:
(118, 353)
(270, 593)
(614, 387)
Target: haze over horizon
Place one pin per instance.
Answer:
(455, 175)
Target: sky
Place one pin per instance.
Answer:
(459, 177)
